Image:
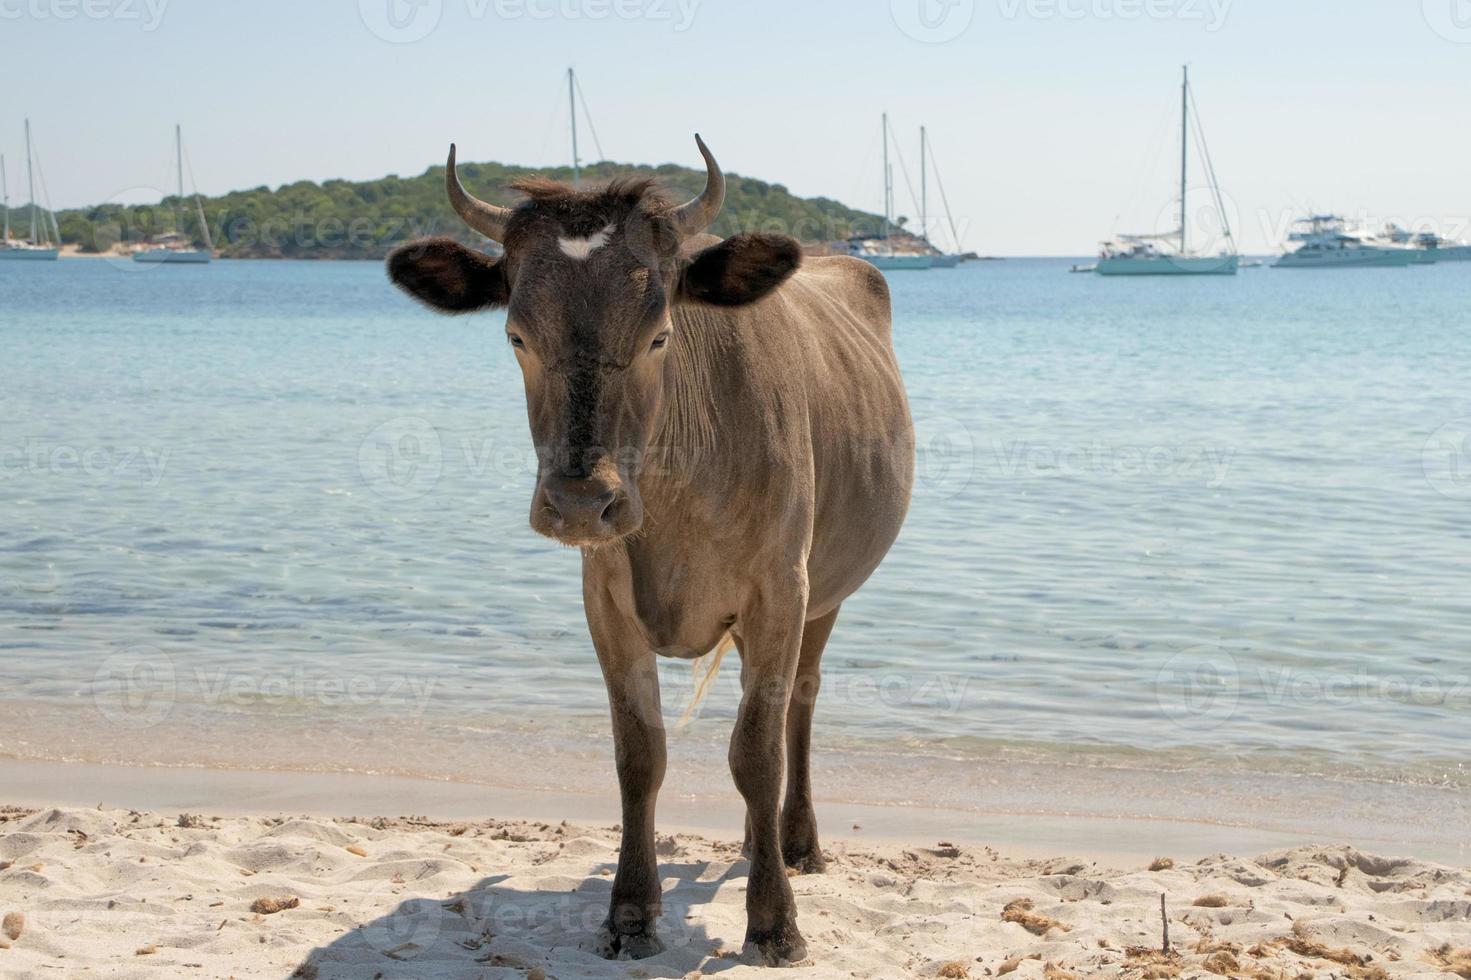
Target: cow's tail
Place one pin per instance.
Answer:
(704, 668)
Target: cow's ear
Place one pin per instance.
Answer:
(740, 270)
(447, 276)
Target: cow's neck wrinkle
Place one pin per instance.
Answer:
(686, 435)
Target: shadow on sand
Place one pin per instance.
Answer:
(498, 929)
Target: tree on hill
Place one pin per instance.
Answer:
(341, 219)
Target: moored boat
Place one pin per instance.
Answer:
(1325, 243)
(44, 243)
(1149, 255)
(939, 259)
(1442, 249)
(174, 247)
(880, 252)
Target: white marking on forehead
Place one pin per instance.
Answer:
(581, 248)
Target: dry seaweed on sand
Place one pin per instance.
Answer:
(1457, 961)
(1021, 911)
(268, 905)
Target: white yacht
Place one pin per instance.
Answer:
(881, 255)
(1397, 236)
(44, 243)
(1325, 243)
(174, 247)
(1442, 249)
(1151, 255)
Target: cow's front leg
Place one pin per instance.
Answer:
(799, 844)
(771, 641)
(638, 748)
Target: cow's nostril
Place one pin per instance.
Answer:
(610, 512)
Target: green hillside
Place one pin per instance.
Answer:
(342, 219)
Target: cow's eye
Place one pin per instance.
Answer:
(516, 341)
(659, 342)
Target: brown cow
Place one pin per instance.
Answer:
(726, 437)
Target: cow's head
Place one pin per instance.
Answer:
(589, 279)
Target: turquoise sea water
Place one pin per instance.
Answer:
(275, 514)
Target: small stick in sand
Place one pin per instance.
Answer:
(1164, 919)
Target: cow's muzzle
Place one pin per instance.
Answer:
(584, 511)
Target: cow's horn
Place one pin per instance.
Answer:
(700, 213)
(488, 219)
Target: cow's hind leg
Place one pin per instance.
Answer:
(799, 846)
(638, 749)
(771, 640)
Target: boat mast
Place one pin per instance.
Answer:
(5, 193)
(179, 172)
(1184, 144)
(888, 176)
(572, 105)
(924, 228)
(30, 185)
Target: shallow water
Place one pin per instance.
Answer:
(275, 514)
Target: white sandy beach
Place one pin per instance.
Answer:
(119, 893)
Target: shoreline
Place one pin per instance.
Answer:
(1031, 831)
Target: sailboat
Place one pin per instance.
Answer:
(939, 259)
(38, 247)
(174, 246)
(880, 253)
(1147, 255)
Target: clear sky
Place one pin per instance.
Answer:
(1054, 121)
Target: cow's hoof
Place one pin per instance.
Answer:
(611, 945)
(784, 949)
(806, 863)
